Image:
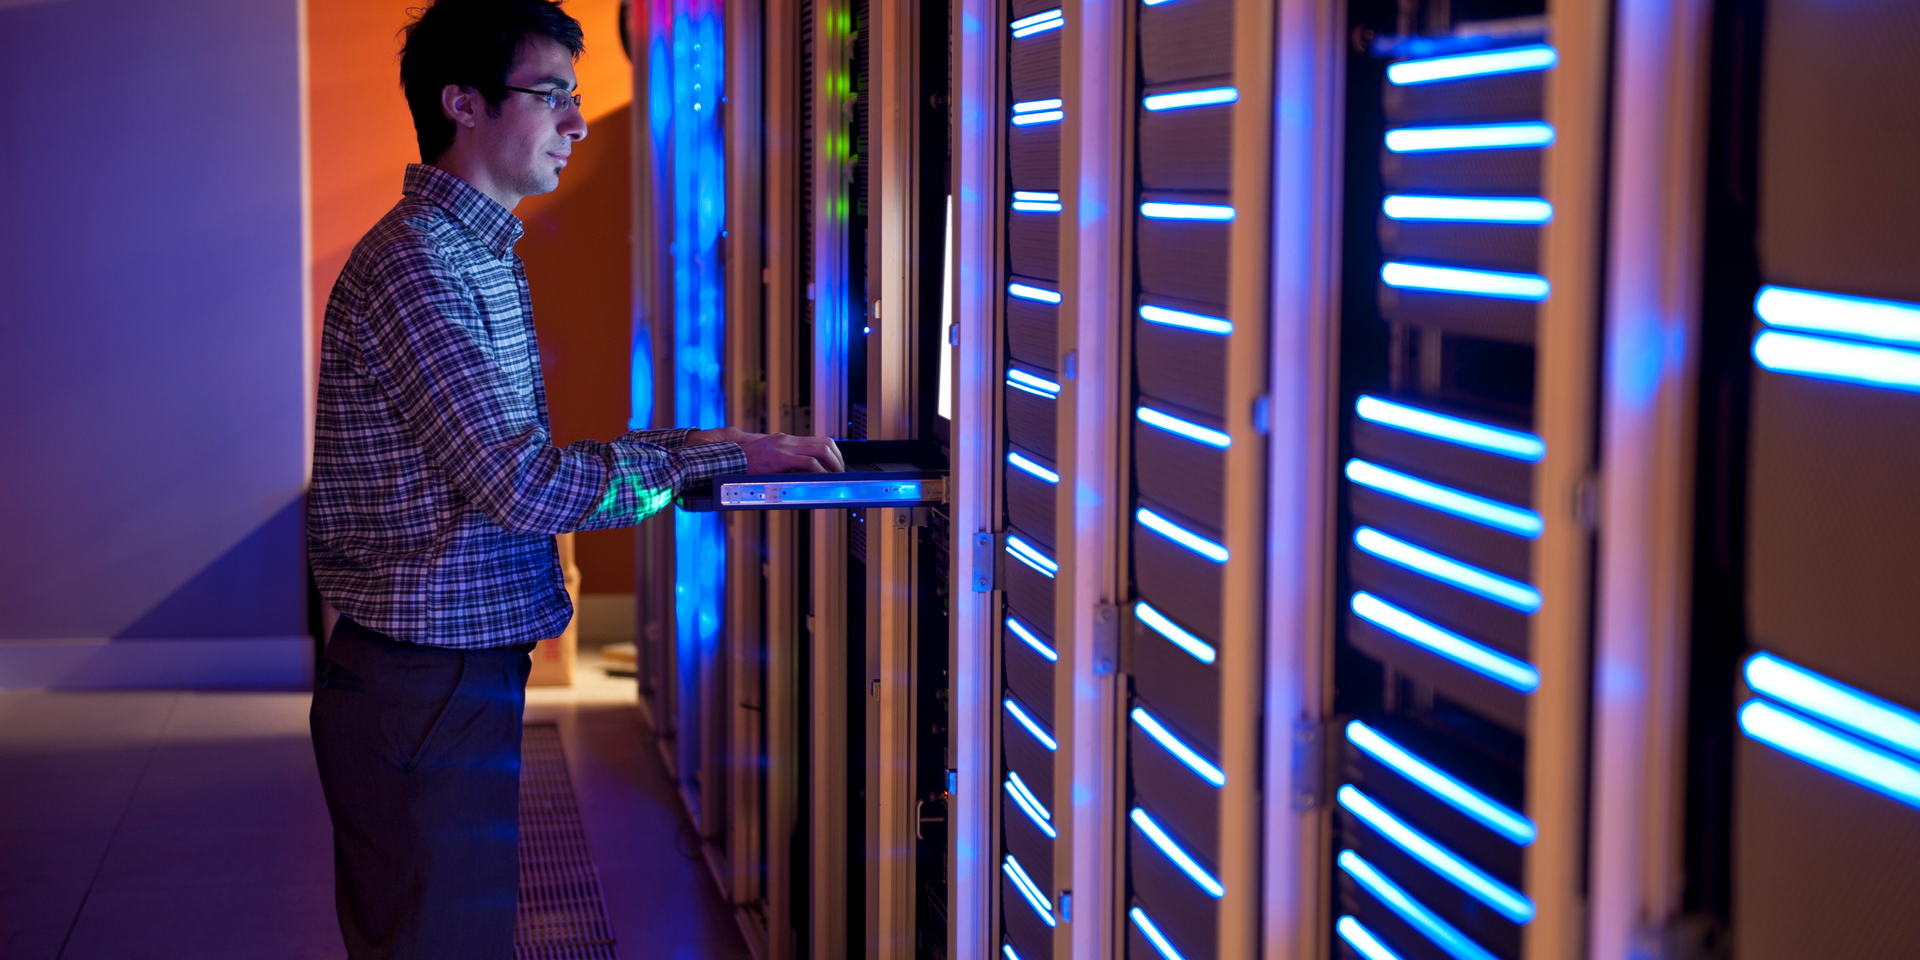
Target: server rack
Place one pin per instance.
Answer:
(1200, 85)
(1803, 826)
(1475, 150)
(805, 720)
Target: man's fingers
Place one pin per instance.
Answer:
(805, 464)
(829, 453)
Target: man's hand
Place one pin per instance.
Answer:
(777, 452)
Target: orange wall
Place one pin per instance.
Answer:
(576, 245)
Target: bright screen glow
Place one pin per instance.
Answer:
(946, 322)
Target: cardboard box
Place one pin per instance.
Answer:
(553, 660)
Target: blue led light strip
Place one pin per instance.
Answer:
(1189, 321)
(1508, 902)
(1523, 210)
(1493, 513)
(1036, 106)
(1032, 467)
(1028, 722)
(1477, 657)
(1492, 814)
(1006, 949)
(1147, 929)
(1363, 940)
(1156, 210)
(1479, 136)
(1191, 431)
(1025, 800)
(1179, 857)
(1030, 798)
(1447, 570)
(1046, 195)
(1026, 292)
(1181, 535)
(1029, 119)
(1481, 64)
(1038, 23)
(1037, 206)
(1201, 650)
(1194, 761)
(1834, 702)
(1191, 98)
(1033, 640)
(1840, 360)
(1442, 933)
(1030, 890)
(1889, 321)
(1473, 283)
(1039, 386)
(1835, 752)
(1025, 553)
(1439, 426)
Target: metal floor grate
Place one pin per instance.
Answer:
(561, 914)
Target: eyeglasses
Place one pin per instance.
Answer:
(556, 98)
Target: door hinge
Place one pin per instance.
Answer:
(1309, 765)
(986, 562)
(1106, 640)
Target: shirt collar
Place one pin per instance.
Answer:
(489, 221)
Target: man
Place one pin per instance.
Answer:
(437, 491)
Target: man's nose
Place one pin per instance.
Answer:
(573, 126)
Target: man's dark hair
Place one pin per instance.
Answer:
(471, 43)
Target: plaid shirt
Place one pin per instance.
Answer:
(436, 485)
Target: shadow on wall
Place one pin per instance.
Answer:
(256, 589)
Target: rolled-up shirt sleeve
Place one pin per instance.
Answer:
(429, 347)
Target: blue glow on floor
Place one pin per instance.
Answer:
(1194, 761)
(1479, 64)
(1440, 426)
(1192, 431)
(1201, 650)
(1478, 136)
(1457, 945)
(1485, 583)
(1491, 813)
(1181, 535)
(1477, 657)
(1472, 283)
(1493, 513)
(1180, 857)
(1505, 900)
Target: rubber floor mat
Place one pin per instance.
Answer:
(561, 914)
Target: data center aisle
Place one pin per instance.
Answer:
(171, 824)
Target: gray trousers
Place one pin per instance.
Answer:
(419, 755)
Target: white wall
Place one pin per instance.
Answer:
(152, 371)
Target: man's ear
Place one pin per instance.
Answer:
(460, 104)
